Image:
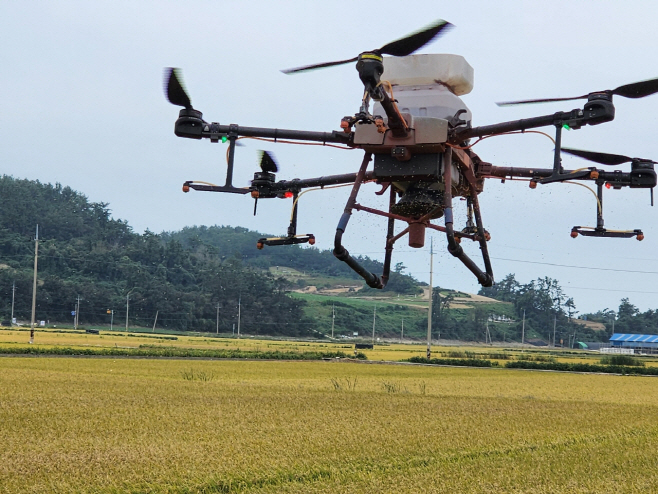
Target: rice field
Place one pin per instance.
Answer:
(381, 352)
(144, 425)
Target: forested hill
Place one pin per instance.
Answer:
(545, 306)
(241, 243)
(185, 277)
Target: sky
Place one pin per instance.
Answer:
(83, 105)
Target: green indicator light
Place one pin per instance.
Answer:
(224, 139)
(566, 126)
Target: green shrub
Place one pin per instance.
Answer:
(577, 367)
(468, 362)
(621, 360)
(148, 351)
(536, 358)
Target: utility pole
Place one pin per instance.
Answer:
(554, 325)
(523, 329)
(402, 332)
(13, 295)
(217, 307)
(77, 311)
(374, 318)
(429, 314)
(333, 317)
(156, 320)
(128, 305)
(34, 284)
(239, 313)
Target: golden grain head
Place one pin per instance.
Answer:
(128, 425)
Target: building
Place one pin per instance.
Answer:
(640, 343)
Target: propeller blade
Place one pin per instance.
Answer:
(637, 89)
(602, 158)
(634, 90)
(318, 66)
(533, 101)
(174, 89)
(267, 163)
(400, 48)
(415, 41)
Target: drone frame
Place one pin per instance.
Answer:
(453, 150)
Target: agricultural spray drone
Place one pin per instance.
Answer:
(420, 142)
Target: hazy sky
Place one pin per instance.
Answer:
(82, 104)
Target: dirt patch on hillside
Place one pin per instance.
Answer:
(596, 326)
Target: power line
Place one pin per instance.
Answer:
(609, 290)
(576, 267)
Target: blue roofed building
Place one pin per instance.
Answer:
(641, 343)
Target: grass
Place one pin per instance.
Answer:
(103, 425)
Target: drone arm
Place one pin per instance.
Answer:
(345, 178)
(515, 125)
(596, 111)
(616, 178)
(396, 123)
(194, 127)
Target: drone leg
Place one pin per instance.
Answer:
(557, 159)
(481, 233)
(341, 252)
(292, 229)
(232, 137)
(485, 279)
(599, 206)
(389, 240)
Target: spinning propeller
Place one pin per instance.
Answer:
(400, 48)
(261, 185)
(267, 163)
(634, 90)
(605, 158)
(642, 173)
(174, 89)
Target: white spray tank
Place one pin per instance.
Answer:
(429, 85)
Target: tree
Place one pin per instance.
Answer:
(626, 309)
(571, 308)
(505, 290)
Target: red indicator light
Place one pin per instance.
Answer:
(288, 194)
(608, 185)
